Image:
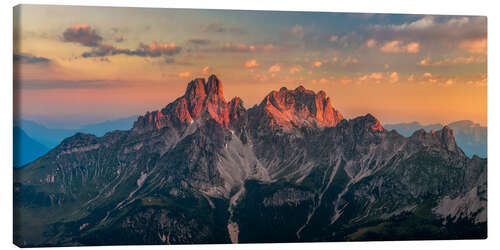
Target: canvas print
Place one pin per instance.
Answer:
(139, 126)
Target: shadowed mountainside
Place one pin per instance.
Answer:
(291, 169)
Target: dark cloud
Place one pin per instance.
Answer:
(199, 41)
(144, 50)
(117, 34)
(216, 27)
(29, 59)
(35, 84)
(170, 60)
(119, 39)
(82, 34)
(297, 31)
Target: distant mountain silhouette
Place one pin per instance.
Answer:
(51, 137)
(26, 149)
(32, 140)
(471, 137)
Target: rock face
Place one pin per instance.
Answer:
(287, 109)
(201, 99)
(203, 170)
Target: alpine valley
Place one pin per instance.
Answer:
(290, 169)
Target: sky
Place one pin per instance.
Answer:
(75, 65)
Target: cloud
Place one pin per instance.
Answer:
(295, 69)
(29, 59)
(317, 64)
(379, 77)
(215, 27)
(205, 69)
(39, 84)
(424, 62)
(413, 47)
(119, 39)
(199, 41)
(171, 60)
(450, 81)
(452, 61)
(184, 74)
(252, 63)
(399, 47)
(323, 80)
(333, 38)
(116, 34)
(394, 77)
(349, 60)
(269, 48)
(475, 46)
(372, 76)
(376, 76)
(447, 30)
(420, 24)
(82, 34)
(153, 49)
(371, 43)
(274, 68)
(297, 31)
(240, 47)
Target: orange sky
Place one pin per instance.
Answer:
(116, 62)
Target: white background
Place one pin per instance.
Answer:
(471, 7)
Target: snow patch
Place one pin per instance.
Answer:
(83, 226)
(141, 179)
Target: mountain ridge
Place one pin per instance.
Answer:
(203, 170)
(470, 136)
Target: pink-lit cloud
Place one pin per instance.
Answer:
(295, 69)
(184, 74)
(475, 46)
(397, 46)
(274, 68)
(252, 63)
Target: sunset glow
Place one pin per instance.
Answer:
(105, 63)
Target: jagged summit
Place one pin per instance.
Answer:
(201, 97)
(280, 109)
(299, 107)
(368, 122)
(444, 137)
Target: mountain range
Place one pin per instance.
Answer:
(26, 149)
(32, 139)
(471, 137)
(290, 169)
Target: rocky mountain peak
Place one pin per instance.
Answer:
(214, 87)
(444, 137)
(371, 123)
(200, 96)
(235, 108)
(299, 107)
